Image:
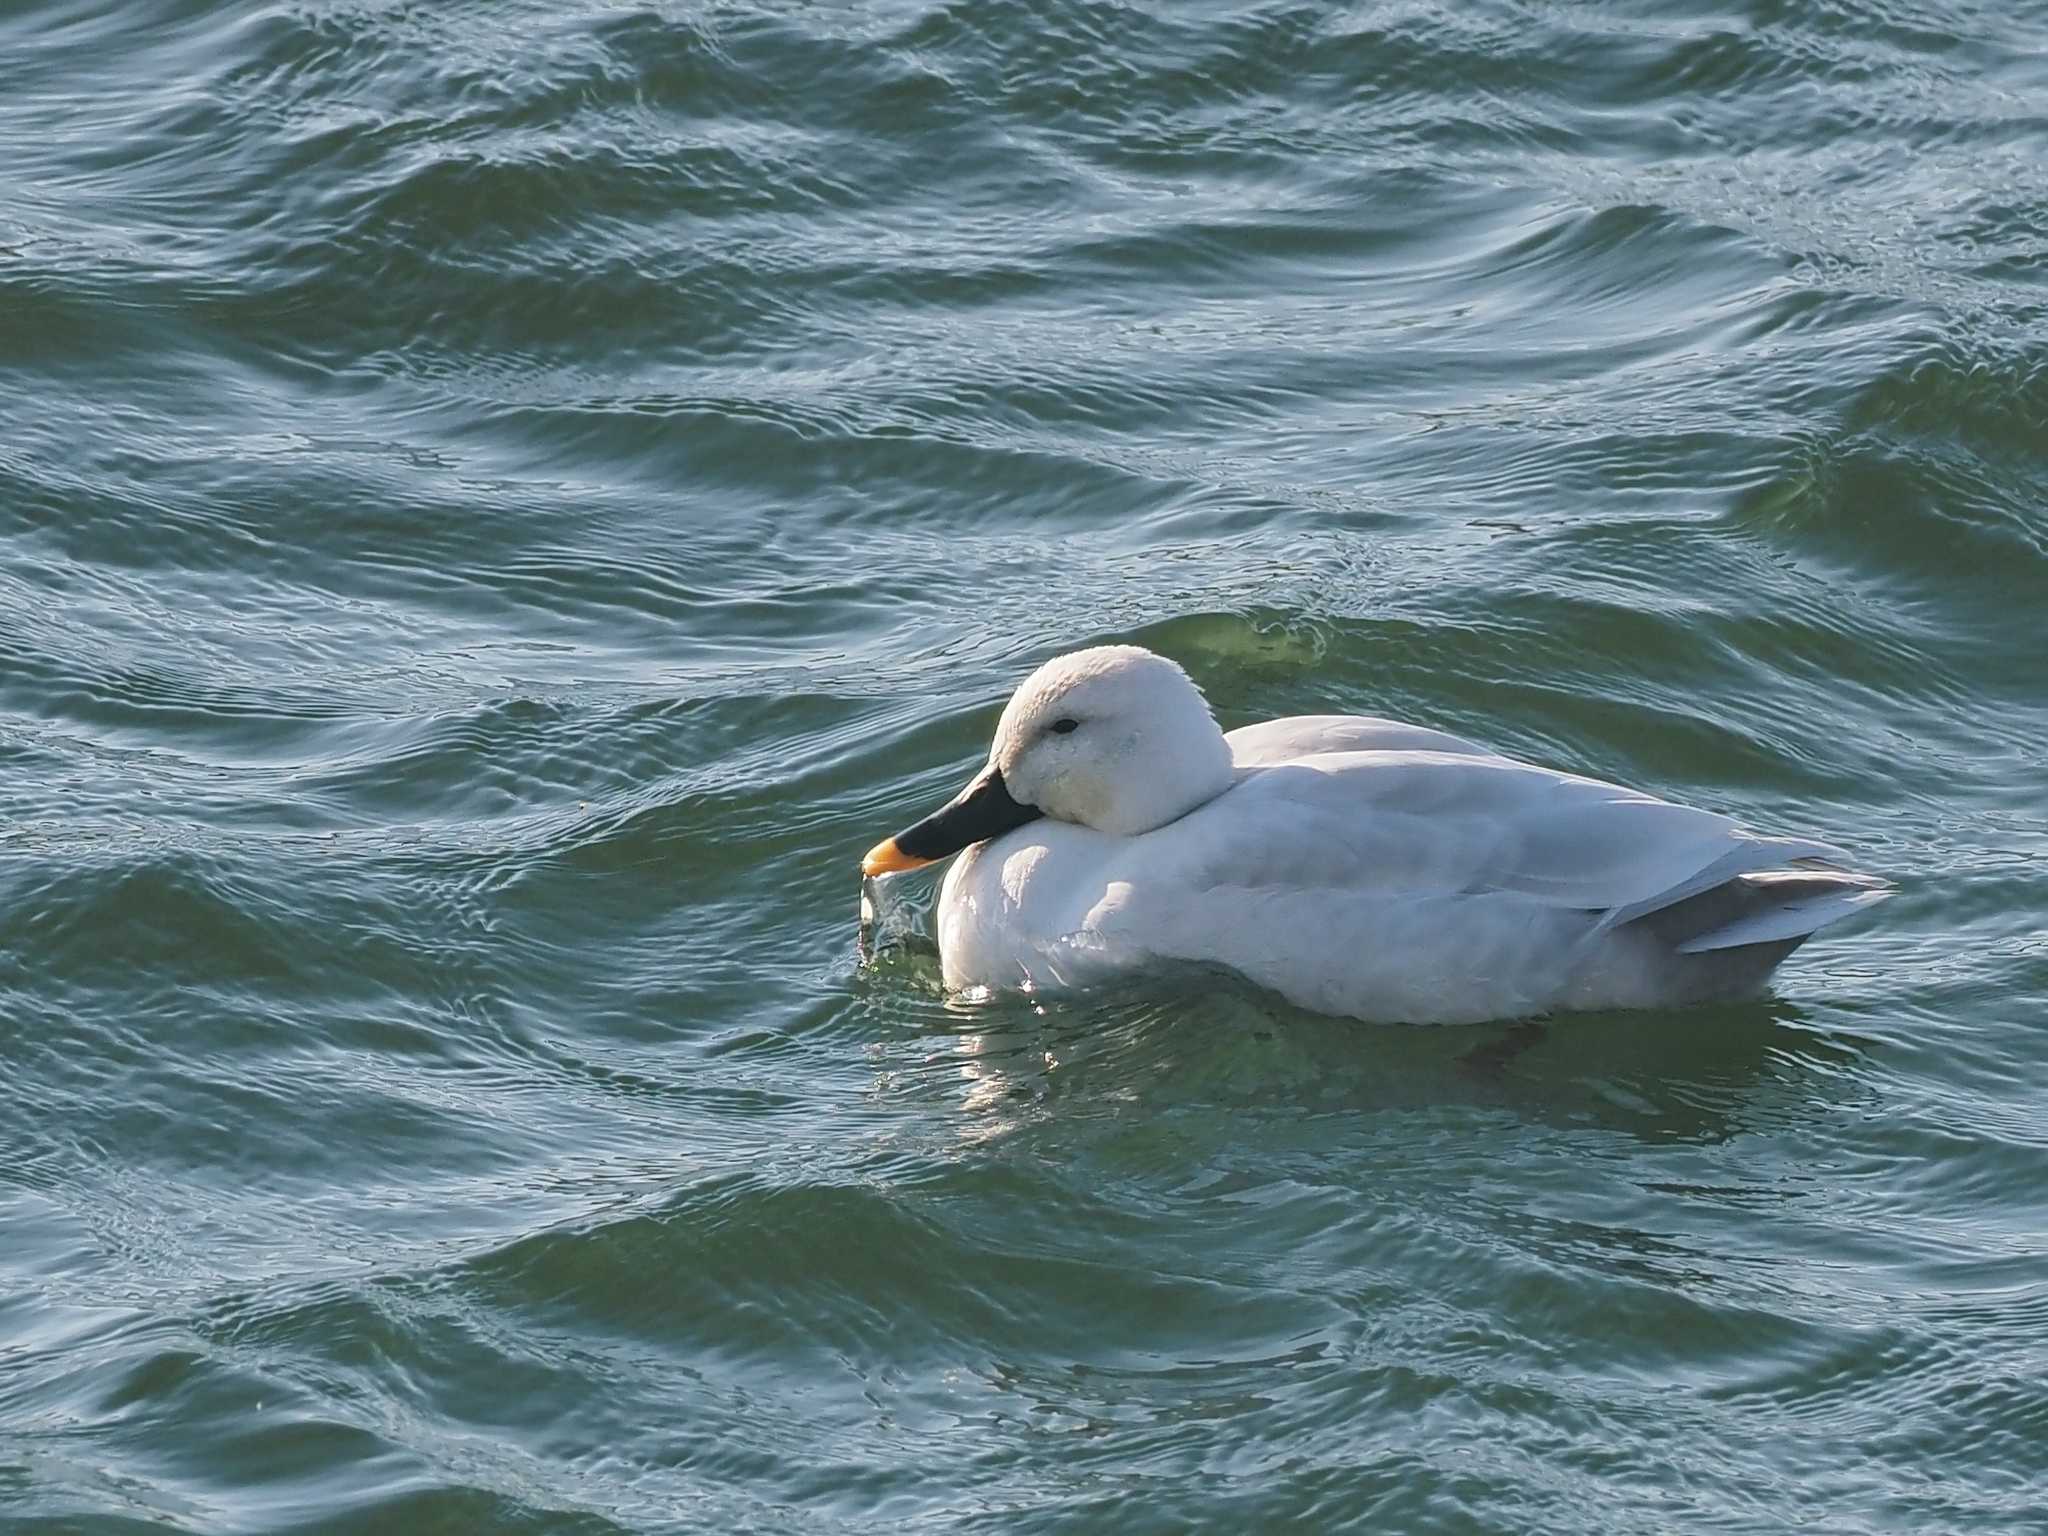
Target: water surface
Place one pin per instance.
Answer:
(501, 504)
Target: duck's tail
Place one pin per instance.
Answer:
(1777, 907)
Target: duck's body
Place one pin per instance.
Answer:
(1355, 866)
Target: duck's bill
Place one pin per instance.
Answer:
(982, 810)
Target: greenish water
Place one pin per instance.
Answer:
(501, 504)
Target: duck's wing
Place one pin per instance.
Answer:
(1272, 742)
(1442, 886)
(1456, 823)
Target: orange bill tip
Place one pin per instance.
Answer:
(885, 858)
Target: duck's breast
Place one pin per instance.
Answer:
(1011, 908)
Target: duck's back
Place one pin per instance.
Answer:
(1297, 736)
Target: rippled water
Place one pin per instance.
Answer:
(500, 504)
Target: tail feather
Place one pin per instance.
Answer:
(1749, 854)
(1779, 906)
(1789, 904)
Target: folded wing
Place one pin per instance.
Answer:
(1464, 822)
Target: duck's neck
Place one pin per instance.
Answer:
(1194, 773)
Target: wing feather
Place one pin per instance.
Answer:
(1438, 823)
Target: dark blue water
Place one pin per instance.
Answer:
(501, 504)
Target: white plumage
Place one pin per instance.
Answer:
(1355, 866)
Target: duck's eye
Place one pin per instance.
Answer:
(1065, 726)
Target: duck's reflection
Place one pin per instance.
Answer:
(1700, 1076)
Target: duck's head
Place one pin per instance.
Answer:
(1113, 738)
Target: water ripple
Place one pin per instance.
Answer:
(500, 505)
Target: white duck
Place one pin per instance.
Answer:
(1355, 866)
